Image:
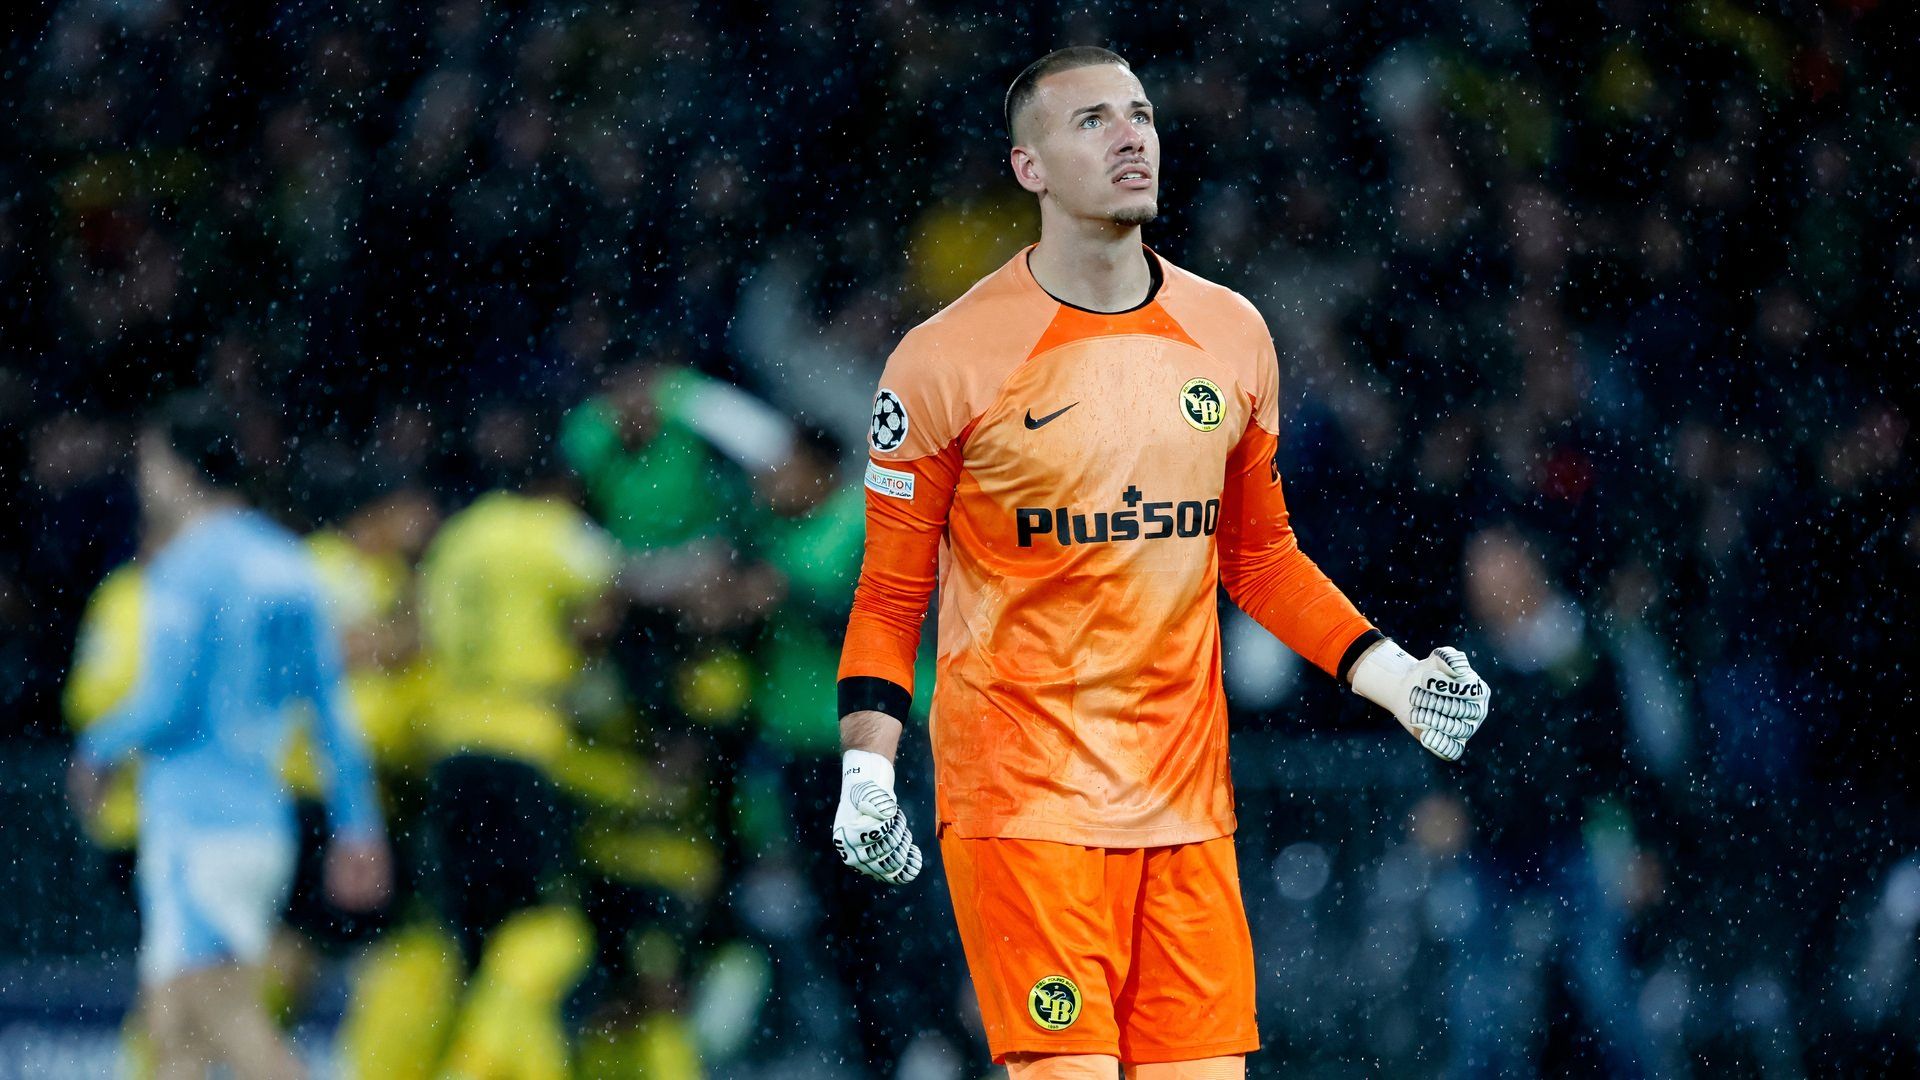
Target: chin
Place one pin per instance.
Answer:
(1136, 215)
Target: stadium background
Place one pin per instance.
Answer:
(1597, 326)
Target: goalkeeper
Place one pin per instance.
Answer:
(1079, 451)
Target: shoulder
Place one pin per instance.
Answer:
(121, 586)
(589, 419)
(949, 369)
(558, 516)
(274, 541)
(1212, 304)
(996, 315)
(1225, 324)
(229, 560)
(511, 521)
(496, 519)
(287, 565)
(587, 435)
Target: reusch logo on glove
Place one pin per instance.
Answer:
(1054, 1002)
(1456, 689)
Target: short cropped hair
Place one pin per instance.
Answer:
(1027, 83)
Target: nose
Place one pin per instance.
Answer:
(1130, 139)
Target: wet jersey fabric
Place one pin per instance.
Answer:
(235, 633)
(500, 587)
(1078, 484)
(106, 662)
(1143, 954)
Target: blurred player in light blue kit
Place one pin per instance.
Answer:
(235, 634)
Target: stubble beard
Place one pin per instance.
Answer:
(1136, 215)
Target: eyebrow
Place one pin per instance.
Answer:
(1134, 104)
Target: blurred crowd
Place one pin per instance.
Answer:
(1594, 321)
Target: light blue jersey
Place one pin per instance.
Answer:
(235, 632)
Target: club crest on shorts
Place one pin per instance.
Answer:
(1202, 404)
(1054, 1002)
(889, 427)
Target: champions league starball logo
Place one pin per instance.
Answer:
(889, 427)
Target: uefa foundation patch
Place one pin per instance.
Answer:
(1054, 1002)
(889, 482)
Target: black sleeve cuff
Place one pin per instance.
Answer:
(1347, 659)
(860, 693)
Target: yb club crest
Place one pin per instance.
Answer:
(1202, 404)
(1054, 1002)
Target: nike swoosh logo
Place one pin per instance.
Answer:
(1034, 425)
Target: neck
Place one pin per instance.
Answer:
(170, 519)
(1096, 265)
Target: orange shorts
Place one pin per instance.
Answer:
(1138, 953)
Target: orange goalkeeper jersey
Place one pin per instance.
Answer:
(1078, 483)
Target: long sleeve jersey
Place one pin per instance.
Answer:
(234, 633)
(1078, 484)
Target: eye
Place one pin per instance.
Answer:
(1143, 117)
(1091, 121)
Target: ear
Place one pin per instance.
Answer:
(1028, 171)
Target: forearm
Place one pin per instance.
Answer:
(1298, 604)
(1266, 573)
(897, 578)
(146, 719)
(874, 732)
(353, 806)
(353, 803)
(114, 738)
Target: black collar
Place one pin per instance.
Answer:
(1155, 278)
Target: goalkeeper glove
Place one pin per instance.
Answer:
(1441, 701)
(870, 828)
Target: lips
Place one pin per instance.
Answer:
(1134, 177)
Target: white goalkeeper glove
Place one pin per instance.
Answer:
(1441, 701)
(870, 828)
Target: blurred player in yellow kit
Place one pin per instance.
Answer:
(510, 588)
(1079, 451)
(501, 587)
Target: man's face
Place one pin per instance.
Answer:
(1089, 145)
